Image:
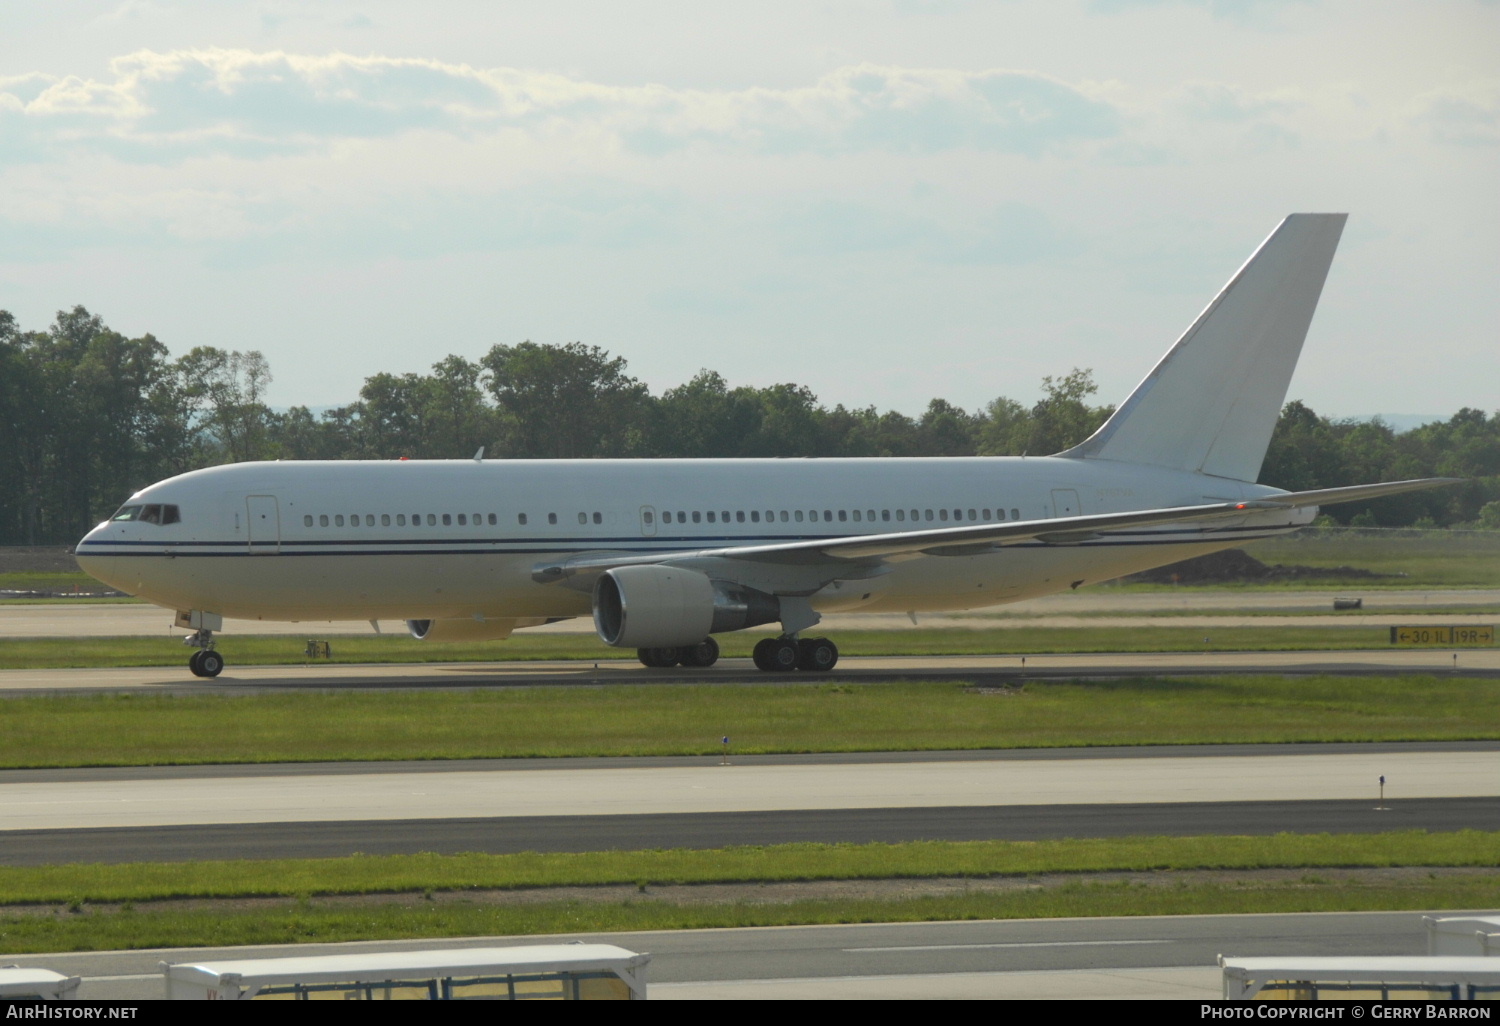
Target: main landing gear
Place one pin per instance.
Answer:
(783, 654)
(205, 662)
(774, 655)
(703, 654)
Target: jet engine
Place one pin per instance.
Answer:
(667, 606)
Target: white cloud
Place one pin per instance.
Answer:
(167, 106)
(1466, 115)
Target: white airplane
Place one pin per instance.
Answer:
(666, 553)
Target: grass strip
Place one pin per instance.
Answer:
(133, 729)
(289, 650)
(387, 874)
(312, 921)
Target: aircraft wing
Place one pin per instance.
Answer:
(980, 538)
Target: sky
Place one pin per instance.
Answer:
(883, 201)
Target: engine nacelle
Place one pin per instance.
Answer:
(666, 607)
(467, 629)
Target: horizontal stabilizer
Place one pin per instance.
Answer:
(1334, 496)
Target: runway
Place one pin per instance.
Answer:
(699, 788)
(719, 830)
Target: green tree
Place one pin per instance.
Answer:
(227, 390)
(1062, 419)
(564, 402)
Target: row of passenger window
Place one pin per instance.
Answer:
(432, 519)
(682, 517)
(830, 515)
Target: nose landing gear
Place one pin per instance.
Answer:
(205, 662)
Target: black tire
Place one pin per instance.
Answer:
(645, 656)
(195, 663)
(703, 654)
(817, 654)
(781, 655)
(760, 656)
(666, 657)
(210, 664)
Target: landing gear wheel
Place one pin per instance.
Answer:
(758, 654)
(704, 654)
(659, 658)
(776, 655)
(817, 654)
(206, 663)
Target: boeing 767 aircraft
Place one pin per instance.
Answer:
(667, 553)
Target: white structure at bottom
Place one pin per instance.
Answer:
(1361, 978)
(1463, 935)
(17, 984)
(569, 972)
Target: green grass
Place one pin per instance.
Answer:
(1449, 559)
(688, 719)
(390, 874)
(314, 921)
(392, 907)
(40, 580)
(288, 650)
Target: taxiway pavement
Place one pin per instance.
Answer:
(979, 669)
(1096, 607)
(1129, 957)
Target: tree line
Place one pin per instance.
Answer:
(88, 416)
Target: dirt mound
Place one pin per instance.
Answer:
(1236, 566)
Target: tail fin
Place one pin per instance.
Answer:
(1211, 404)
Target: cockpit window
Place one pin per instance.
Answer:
(154, 513)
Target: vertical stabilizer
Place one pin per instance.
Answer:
(1211, 404)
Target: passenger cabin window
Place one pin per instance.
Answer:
(493, 521)
(521, 519)
(307, 520)
(322, 519)
(598, 518)
(551, 518)
(646, 517)
(583, 518)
